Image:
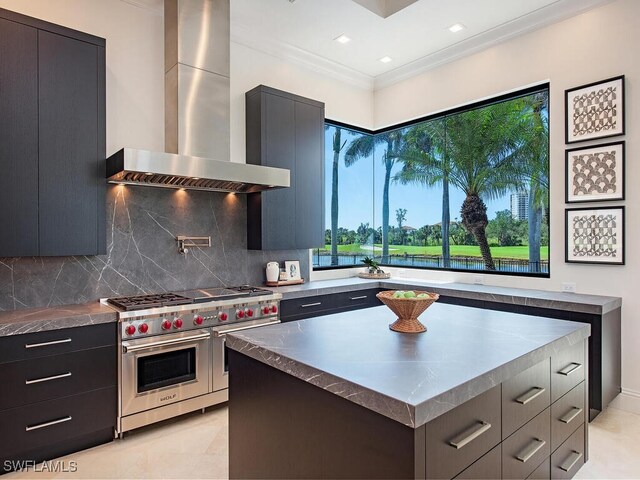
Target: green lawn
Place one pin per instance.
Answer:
(521, 252)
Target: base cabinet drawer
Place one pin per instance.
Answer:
(569, 457)
(461, 436)
(488, 467)
(567, 414)
(14, 348)
(567, 369)
(525, 396)
(543, 472)
(48, 378)
(26, 429)
(301, 308)
(526, 449)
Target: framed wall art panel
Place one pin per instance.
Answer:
(595, 174)
(594, 235)
(595, 110)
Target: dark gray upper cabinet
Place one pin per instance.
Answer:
(286, 131)
(52, 139)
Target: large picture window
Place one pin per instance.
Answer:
(466, 189)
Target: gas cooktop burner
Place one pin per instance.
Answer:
(140, 302)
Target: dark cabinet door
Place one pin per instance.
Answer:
(309, 176)
(278, 229)
(69, 140)
(18, 139)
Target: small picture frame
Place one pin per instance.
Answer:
(594, 235)
(595, 110)
(293, 269)
(595, 174)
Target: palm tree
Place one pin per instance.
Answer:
(363, 147)
(425, 161)
(338, 145)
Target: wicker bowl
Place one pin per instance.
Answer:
(408, 310)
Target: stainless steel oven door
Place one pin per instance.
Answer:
(220, 365)
(165, 369)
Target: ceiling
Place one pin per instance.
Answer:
(416, 37)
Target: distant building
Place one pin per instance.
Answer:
(520, 205)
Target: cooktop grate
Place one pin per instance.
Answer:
(141, 302)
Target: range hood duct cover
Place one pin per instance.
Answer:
(169, 170)
(197, 111)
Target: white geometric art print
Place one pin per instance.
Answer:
(595, 174)
(595, 110)
(595, 236)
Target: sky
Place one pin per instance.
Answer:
(360, 189)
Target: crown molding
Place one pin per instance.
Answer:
(553, 13)
(245, 36)
(159, 9)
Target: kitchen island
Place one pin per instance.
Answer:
(481, 394)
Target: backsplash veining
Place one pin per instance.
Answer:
(142, 253)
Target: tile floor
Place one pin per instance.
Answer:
(195, 446)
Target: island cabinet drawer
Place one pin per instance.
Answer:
(526, 449)
(487, 467)
(47, 378)
(543, 472)
(567, 414)
(28, 428)
(569, 457)
(54, 342)
(567, 369)
(461, 436)
(524, 396)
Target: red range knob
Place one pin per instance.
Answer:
(223, 316)
(130, 330)
(177, 323)
(265, 310)
(143, 328)
(274, 309)
(198, 320)
(240, 313)
(249, 313)
(166, 325)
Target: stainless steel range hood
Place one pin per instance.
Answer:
(168, 170)
(197, 104)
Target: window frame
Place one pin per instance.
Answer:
(544, 86)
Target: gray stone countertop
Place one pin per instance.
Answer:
(30, 320)
(594, 304)
(410, 378)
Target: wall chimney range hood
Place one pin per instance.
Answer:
(197, 111)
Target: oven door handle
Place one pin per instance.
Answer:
(222, 333)
(127, 348)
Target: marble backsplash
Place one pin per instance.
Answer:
(142, 253)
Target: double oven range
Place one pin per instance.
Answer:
(172, 348)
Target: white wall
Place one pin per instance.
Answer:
(590, 47)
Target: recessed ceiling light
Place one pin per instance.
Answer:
(385, 59)
(455, 28)
(342, 39)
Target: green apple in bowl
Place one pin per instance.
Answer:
(410, 294)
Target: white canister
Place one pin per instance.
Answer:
(273, 271)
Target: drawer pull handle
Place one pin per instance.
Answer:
(531, 395)
(46, 344)
(569, 416)
(311, 305)
(362, 297)
(570, 462)
(48, 424)
(470, 435)
(47, 379)
(531, 450)
(569, 369)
